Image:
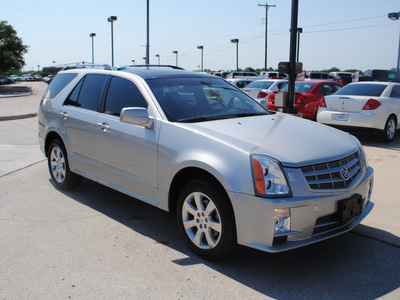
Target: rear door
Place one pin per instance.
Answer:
(79, 112)
(127, 153)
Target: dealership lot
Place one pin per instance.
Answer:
(95, 243)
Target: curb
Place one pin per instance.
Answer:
(18, 117)
(15, 95)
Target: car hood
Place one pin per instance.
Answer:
(293, 141)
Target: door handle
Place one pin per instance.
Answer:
(64, 115)
(104, 126)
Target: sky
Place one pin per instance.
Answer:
(346, 34)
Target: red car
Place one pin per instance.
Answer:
(307, 96)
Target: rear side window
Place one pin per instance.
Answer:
(327, 89)
(395, 92)
(58, 83)
(87, 93)
(122, 93)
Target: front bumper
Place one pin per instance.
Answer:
(312, 217)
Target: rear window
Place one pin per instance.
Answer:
(260, 85)
(374, 90)
(58, 84)
(300, 87)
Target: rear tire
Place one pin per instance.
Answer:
(61, 175)
(389, 132)
(206, 220)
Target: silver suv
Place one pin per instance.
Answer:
(193, 144)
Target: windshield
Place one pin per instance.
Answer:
(300, 87)
(260, 84)
(202, 99)
(374, 90)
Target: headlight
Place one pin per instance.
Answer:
(268, 177)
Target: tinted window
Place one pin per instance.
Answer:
(338, 87)
(395, 92)
(123, 93)
(242, 84)
(58, 83)
(327, 89)
(362, 90)
(91, 90)
(73, 97)
(202, 99)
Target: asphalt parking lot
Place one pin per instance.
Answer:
(95, 243)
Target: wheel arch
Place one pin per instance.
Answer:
(51, 136)
(189, 174)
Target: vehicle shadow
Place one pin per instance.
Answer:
(352, 266)
(372, 140)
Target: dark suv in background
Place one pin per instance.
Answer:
(380, 75)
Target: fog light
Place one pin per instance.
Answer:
(282, 220)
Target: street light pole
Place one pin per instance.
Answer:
(266, 30)
(201, 48)
(292, 56)
(112, 19)
(158, 56)
(236, 41)
(176, 52)
(394, 16)
(92, 35)
(133, 61)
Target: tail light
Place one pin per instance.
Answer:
(301, 99)
(271, 98)
(262, 95)
(371, 104)
(41, 101)
(322, 103)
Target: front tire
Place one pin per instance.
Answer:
(206, 220)
(390, 130)
(61, 175)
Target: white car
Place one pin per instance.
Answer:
(371, 105)
(260, 89)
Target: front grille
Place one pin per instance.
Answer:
(331, 175)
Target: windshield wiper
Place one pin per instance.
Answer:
(200, 119)
(220, 117)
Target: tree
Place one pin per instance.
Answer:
(12, 49)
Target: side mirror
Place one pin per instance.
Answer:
(137, 116)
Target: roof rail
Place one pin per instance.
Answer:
(157, 66)
(82, 66)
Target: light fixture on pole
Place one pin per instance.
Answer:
(394, 16)
(236, 41)
(299, 30)
(133, 61)
(176, 53)
(158, 56)
(112, 19)
(201, 48)
(145, 59)
(92, 35)
(266, 30)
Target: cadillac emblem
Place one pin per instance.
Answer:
(344, 173)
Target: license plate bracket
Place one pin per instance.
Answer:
(349, 208)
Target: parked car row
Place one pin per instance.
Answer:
(372, 105)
